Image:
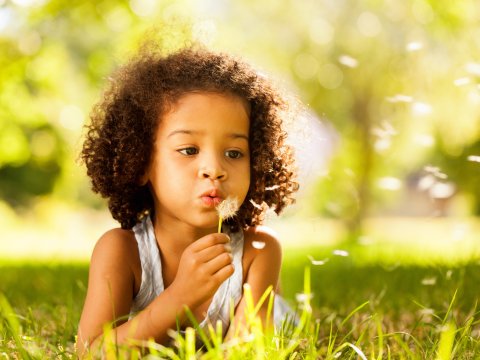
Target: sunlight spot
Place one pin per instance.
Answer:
(270, 188)
(306, 66)
(348, 61)
(342, 253)
(429, 281)
(441, 190)
(205, 31)
(425, 140)
(30, 43)
(71, 117)
(365, 240)
(42, 144)
(330, 76)
(321, 32)
(143, 8)
(421, 108)
(258, 244)
(474, 158)
(473, 68)
(368, 24)
(389, 183)
(414, 46)
(317, 262)
(399, 98)
(423, 12)
(119, 19)
(28, 3)
(337, 355)
(426, 182)
(462, 81)
(349, 172)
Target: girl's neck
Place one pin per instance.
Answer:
(175, 237)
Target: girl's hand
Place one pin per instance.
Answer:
(203, 267)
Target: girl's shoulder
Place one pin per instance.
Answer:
(261, 242)
(117, 252)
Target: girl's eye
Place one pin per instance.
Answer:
(233, 154)
(189, 151)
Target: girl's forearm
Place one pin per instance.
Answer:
(153, 322)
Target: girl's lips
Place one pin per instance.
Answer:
(211, 201)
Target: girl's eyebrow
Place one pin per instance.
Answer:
(194, 132)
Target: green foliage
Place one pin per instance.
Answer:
(346, 310)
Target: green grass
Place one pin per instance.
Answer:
(359, 309)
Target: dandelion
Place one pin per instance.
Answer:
(226, 210)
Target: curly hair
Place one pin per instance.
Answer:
(120, 137)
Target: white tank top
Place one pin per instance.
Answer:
(152, 281)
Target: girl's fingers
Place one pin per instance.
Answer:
(212, 252)
(224, 273)
(208, 241)
(217, 263)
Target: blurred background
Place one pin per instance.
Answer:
(388, 145)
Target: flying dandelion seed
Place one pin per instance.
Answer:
(340, 253)
(425, 140)
(474, 158)
(348, 61)
(302, 298)
(399, 98)
(426, 182)
(462, 81)
(317, 262)
(426, 312)
(435, 171)
(449, 274)
(414, 46)
(258, 244)
(256, 205)
(429, 281)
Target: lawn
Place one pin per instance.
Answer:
(365, 303)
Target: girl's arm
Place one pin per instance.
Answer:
(113, 283)
(261, 271)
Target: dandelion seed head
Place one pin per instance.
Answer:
(228, 208)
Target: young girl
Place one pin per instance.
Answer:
(173, 137)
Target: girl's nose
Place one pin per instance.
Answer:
(212, 171)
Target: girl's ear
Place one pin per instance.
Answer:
(144, 178)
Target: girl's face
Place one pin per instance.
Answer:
(201, 157)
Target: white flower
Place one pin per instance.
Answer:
(227, 208)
